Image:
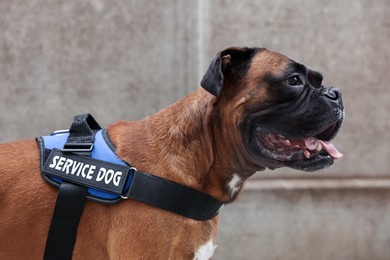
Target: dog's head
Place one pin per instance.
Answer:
(282, 113)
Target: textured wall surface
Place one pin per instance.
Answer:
(304, 224)
(128, 59)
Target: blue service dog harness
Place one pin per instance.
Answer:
(82, 162)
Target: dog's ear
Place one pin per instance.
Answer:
(232, 62)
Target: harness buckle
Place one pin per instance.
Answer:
(123, 196)
(77, 147)
(60, 132)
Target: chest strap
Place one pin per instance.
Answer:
(143, 187)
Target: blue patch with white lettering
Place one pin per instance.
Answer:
(105, 175)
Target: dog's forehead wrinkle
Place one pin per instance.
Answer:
(277, 70)
(293, 68)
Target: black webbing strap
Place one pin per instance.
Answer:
(63, 229)
(81, 135)
(171, 196)
(71, 198)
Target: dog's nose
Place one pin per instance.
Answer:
(331, 93)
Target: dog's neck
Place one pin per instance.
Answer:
(183, 138)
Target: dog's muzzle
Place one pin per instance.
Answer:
(299, 135)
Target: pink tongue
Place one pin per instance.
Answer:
(312, 143)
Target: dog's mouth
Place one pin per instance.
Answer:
(306, 153)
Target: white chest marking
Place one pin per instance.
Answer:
(234, 184)
(205, 251)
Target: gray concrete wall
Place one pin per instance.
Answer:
(128, 59)
(307, 224)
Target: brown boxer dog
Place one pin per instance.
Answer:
(257, 109)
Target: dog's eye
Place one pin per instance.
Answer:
(294, 81)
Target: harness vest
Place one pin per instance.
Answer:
(103, 150)
(86, 157)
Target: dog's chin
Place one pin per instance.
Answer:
(307, 153)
